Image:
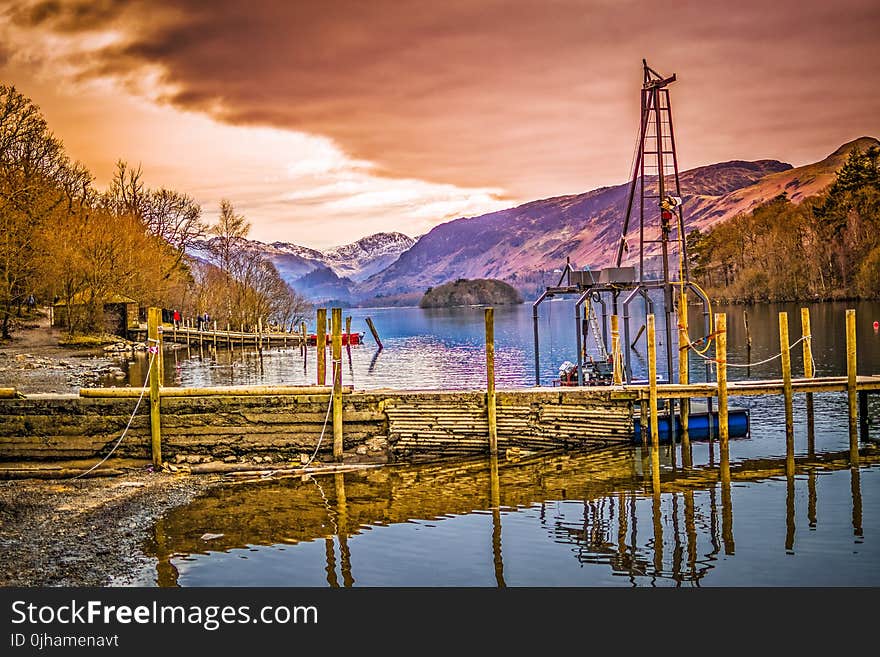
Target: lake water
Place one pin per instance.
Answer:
(569, 519)
(444, 348)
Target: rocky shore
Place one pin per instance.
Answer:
(35, 361)
(79, 532)
(87, 532)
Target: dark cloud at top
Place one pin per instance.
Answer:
(534, 97)
(68, 16)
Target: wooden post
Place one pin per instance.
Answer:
(154, 316)
(374, 332)
(652, 379)
(748, 331)
(215, 335)
(229, 339)
(336, 333)
(808, 366)
(851, 369)
(490, 380)
(304, 340)
(652, 403)
(785, 350)
(616, 361)
(684, 374)
(160, 357)
(721, 361)
(321, 344)
(348, 328)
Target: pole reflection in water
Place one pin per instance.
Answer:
(621, 527)
(570, 519)
(342, 529)
(789, 512)
(811, 497)
(726, 501)
(166, 573)
(495, 504)
(657, 516)
(330, 552)
(856, 488)
(677, 550)
(690, 527)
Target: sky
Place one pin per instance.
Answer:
(325, 121)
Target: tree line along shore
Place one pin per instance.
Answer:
(66, 242)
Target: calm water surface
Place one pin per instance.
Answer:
(570, 519)
(444, 348)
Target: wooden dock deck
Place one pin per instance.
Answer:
(752, 388)
(221, 338)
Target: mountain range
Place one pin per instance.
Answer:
(521, 245)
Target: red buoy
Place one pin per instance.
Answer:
(876, 325)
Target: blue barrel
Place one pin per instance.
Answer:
(698, 425)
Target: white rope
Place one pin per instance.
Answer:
(760, 362)
(323, 430)
(130, 420)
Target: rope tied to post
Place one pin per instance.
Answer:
(153, 350)
(760, 362)
(323, 431)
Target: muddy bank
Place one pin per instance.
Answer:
(87, 532)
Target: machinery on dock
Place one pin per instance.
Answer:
(654, 201)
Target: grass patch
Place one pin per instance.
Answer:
(78, 340)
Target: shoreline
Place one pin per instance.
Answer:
(34, 361)
(88, 532)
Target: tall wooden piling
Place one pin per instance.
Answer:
(490, 380)
(721, 362)
(348, 328)
(785, 351)
(808, 370)
(374, 332)
(851, 370)
(154, 317)
(684, 374)
(652, 404)
(748, 331)
(616, 352)
(336, 340)
(321, 344)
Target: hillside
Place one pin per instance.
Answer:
(481, 292)
(519, 244)
(515, 245)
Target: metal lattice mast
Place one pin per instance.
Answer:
(655, 169)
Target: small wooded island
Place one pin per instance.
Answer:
(464, 292)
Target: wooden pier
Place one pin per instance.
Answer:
(222, 339)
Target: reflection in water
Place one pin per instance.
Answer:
(856, 489)
(495, 505)
(568, 519)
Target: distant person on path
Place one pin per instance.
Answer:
(206, 321)
(31, 303)
(176, 317)
(199, 321)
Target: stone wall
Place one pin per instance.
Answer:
(430, 423)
